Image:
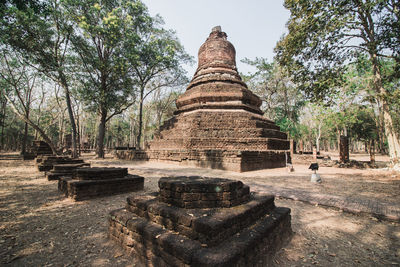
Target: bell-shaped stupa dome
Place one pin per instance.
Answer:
(217, 83)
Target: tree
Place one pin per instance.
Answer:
(40, 32)
(363, 126)
(20, 82)
(324, 36)
(23, 87)
(157, 65)
(106, 35)
(282, 102)
(313, 117)
(163, 104)
(3, 105)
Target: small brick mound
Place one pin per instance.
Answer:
(89, 183)
(60, 170)
(45, 163)
(199, 192)
(164, 234)
(41, 148)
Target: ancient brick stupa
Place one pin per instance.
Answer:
(199, 221)
(219, 123)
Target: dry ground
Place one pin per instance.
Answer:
(39, 227)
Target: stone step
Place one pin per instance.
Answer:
(157, 246)
(209, 226)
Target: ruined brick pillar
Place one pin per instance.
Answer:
(344, 149)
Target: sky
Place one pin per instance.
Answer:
(252, 26)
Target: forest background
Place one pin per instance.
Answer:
(102, 74)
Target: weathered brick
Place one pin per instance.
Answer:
(191, 196)
(211, 196)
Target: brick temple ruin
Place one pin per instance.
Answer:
(87, 183)
(197, 221)
(218, 123)
(45, 163)
(38, 148)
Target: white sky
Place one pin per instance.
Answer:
(252, 26)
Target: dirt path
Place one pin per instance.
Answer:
(39, 227)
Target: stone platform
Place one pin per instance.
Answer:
(89, 183)
(230, 227)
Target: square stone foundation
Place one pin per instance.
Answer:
(161, 234)
(97, 182)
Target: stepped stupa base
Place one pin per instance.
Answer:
(197, 221)
(237, 161)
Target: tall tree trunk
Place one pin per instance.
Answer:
(318, 137)
(25, 139)
(338, 134)
(62, 132)
(371, 149)
(371, 35)
(3, 112)
(391, 135)
(78, 138)
(70, 114)
(139, 136)
(344, 149)
(301, 146)
(131, 132)
(381, 132)
(390, 132)
(101, 133)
